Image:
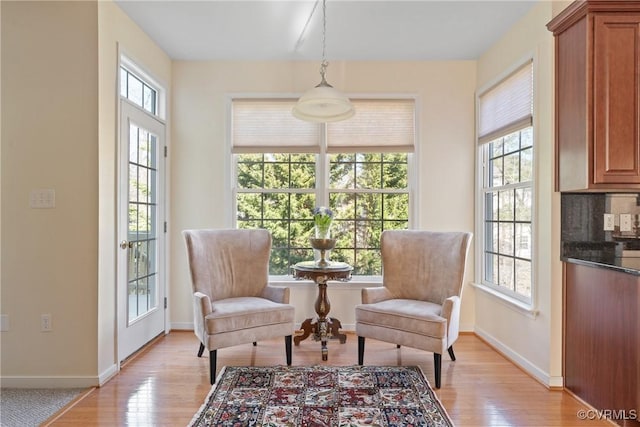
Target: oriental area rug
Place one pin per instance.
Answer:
(344, 396)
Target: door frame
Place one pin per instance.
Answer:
(120, 313)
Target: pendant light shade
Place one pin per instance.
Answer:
(323, 103)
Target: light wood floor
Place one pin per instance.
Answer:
(166, 383)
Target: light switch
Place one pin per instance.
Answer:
(609, 222)
(4, 322)
(625, 222)
(43, 199)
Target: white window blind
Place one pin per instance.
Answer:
(508, 106)
(267, 126)
(379, 125)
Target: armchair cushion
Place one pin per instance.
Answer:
(235, 314)
(412, 316)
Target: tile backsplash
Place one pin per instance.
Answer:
(582, 224)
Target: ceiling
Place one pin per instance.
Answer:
(356, 29)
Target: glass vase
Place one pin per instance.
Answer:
(322, 232)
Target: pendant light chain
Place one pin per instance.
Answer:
(324, 64)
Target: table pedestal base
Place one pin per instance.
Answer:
(322, 327)
(321, 330)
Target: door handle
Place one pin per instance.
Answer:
(124, 244)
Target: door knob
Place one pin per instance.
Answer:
(124, 244)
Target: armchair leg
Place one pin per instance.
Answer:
(450, 350)
(201, 350)
(212, 366)
(287, 347)
(437, 367)
(360, 350)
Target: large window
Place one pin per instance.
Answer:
(506, 153)
(359, 168)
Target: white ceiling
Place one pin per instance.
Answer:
(356, 29)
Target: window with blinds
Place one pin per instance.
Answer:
(506, 147)
(360, 168)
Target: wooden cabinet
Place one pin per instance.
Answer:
(602, 340)
(597, 97)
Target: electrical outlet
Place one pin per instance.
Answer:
(609, 222)
(625, 222)
(45, 323)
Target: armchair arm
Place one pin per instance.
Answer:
(451, 312)
(201, 305)
(276, 294)
(373, 295)
(201, 309)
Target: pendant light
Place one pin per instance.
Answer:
(323, 103)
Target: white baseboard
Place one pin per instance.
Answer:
(48, 382)
(464, 327)
(519, 360)
(187, 326)
(181, 326)
(107, 374)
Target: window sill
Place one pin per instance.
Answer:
(356, 282)
(510, 302)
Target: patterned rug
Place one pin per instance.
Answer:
(347, 396)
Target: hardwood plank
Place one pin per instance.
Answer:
(167, 383)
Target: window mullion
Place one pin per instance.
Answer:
(322, 169)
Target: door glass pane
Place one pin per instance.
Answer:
(142, 280)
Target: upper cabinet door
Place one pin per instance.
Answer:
(616, 75)
(597, 107)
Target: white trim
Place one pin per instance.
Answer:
(356, 283)
(466, 327)
(530, 56)
(48, 381)
(126, 60)
(508, 301)
(351, 327)
(230, 170)
(107, 374)
(528, 307)
(414, 171)
(520, 360)
(182, 326)
(160, 119)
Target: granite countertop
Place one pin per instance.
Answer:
(630, 265)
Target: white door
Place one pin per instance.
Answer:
(141, 230)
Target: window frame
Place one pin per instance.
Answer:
(521, 302)
(322, 167)
(140, 73)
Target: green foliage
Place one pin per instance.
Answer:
(368, 193)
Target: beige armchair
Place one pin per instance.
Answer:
(232, 301)
(418, 305)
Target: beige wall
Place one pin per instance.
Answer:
(200, 176)
(533, 342)
(59, 64)
(49, 141)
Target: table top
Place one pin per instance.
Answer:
(311, 266)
